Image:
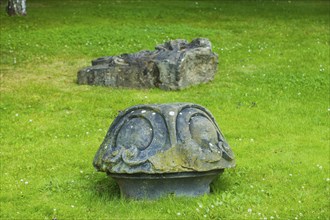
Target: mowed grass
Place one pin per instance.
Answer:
(270, 98)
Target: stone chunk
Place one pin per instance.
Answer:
(165, 138)
(156, 150)
(174, 65)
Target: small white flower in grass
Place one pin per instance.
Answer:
(299, 201)
(300, 214)
(319, 166)
(72, 206)
(290, 174)
(30, 120)
(178, 213)
(18, 114)
(249, 210)
(26, 182)
(200, 205)
(328, 179)
(22, 180)
(87, 132)
(271, 217)
(205, 216)
(81, 171)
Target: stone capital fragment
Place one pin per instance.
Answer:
(154, 150)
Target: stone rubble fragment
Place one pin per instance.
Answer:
(173, 65)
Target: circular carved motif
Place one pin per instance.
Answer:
(135, 136)
(136, 132)
(203, 131)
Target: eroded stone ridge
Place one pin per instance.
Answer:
(166, 138)
(173, 65)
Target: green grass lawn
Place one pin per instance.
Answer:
(270, 98)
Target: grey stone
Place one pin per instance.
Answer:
(147, 144)
(16, 7)
(174, 65)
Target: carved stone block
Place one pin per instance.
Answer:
(147, 144)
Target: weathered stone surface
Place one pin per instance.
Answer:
(16, 7)
(174, 65)
(160, 139)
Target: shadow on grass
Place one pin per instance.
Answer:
(106, 189)
(222, 183)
